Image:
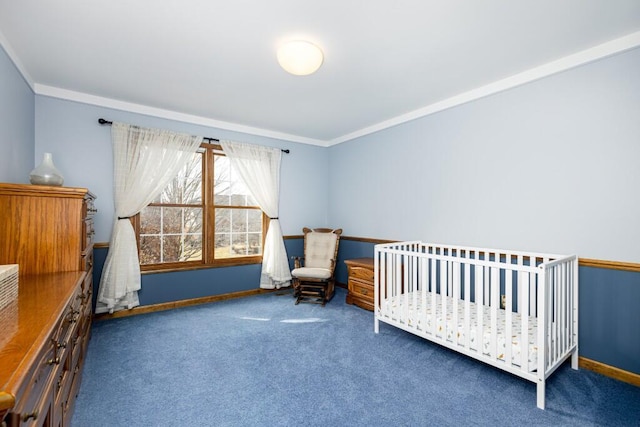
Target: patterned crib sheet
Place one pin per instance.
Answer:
(421, 319)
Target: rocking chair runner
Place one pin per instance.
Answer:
(314, 274)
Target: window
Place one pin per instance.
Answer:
(204, 217)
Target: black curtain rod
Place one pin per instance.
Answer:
(108, 123)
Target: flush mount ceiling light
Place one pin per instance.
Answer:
(300, 58)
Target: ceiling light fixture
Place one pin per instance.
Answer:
(300, 58)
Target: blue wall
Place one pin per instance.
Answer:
(158, 288)
(550, 166)
(16, 123)
(609, 327)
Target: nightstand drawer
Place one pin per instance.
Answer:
(360, 282)
(360, 288)
(361, 273)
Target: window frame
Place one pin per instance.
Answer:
(208, 225)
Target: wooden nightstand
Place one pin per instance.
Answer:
(360, 282)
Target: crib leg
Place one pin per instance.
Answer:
(574, 359)
(540, 393)
(376, 325)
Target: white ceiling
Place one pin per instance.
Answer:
(214, 62)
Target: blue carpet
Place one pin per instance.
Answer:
(263, 361)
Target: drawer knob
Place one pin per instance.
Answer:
(54, 361)
(61, 345)
(27, 417)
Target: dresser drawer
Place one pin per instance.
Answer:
(86, 261)
(87, 234)
(87, 284)
(66, 327)
(88, 207)
(34, 406)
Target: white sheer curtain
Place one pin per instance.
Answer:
(259, 168)
(144, 161)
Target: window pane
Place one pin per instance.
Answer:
(179, 220)
(223, 221)
(255, 243)
(222, 180)
(238, 232)
(170, 234)
(222, 200)
(192, 248)
(171, 220)
(239, 221)
(254, 221)
(223, 233)
(229, 189)
(246, 244)
(179, 248)
(149, 249)
(238, 200)
(171, 249)
(150, 220)
(186, 187)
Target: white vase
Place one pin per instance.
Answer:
(46, 173)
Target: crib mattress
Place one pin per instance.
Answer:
(415, 316)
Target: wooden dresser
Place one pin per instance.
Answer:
(360, 282)
(48, 232)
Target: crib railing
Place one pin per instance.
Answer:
(496, 286)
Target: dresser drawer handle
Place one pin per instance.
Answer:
(61, 345)
(27, 417)
(54, 361)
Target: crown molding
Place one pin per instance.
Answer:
(85, 98)
(595, 53)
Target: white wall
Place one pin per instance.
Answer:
(82, 151)
(550, 166)
(16, 123)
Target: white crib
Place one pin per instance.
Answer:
(472, 299)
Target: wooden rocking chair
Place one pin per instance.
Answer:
(314, 274)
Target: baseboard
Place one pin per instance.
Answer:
(609, 371)
(183, 303)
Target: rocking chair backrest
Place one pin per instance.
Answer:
(321, 247)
